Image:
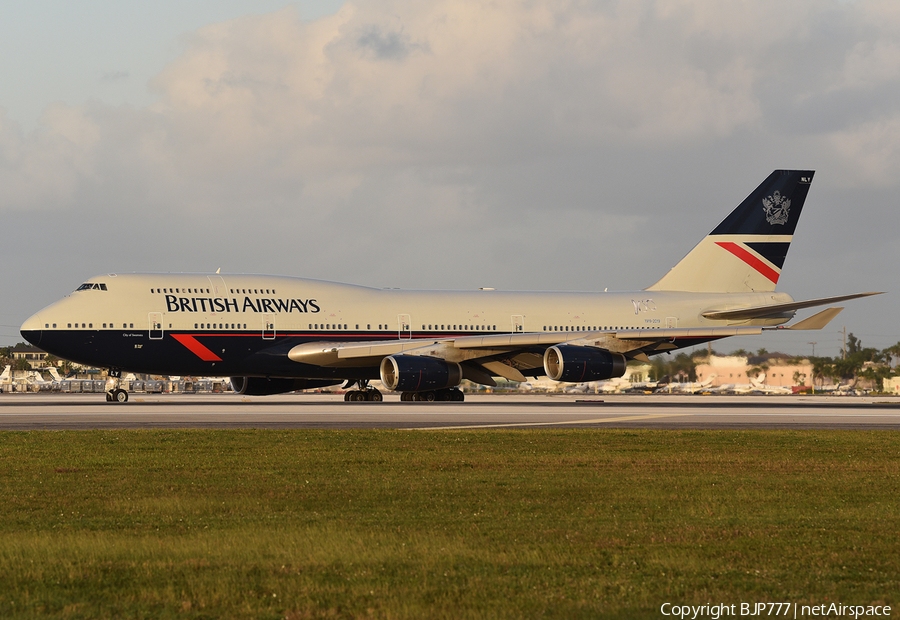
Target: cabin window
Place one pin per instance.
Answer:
(368, 326)
(46, 325)
(195, 326)
(91, 325)
(54, 326)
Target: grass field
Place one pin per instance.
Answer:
(449, 524)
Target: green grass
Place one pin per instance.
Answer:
(448, 524)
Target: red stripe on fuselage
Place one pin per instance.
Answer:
(750, 259)
(196, 348)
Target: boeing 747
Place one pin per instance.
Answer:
(275, 334)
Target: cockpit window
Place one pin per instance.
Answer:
(91, 286)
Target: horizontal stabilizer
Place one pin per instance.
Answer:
(817, 321)
(775, 310)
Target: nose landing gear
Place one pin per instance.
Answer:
(115, 394)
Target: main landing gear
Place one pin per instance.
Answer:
(370, 394)
(364, 394)
(445, 395)
(115, 394)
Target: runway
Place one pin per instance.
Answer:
(480, 411)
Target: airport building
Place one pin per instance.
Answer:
(34, 356)
(891, 385)
(772, 370)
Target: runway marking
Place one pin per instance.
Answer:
(595, 421)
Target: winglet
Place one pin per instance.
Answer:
(817, 321)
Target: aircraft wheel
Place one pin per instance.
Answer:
(443, 395)
(428, 397)
(109, 397)
(121, 396)
(374, 396)
(457, 395)
(406, 397)
(347, 396)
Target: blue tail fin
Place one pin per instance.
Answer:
(746, 252)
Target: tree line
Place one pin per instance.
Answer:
(859, 363)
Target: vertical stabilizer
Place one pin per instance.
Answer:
(745, 253)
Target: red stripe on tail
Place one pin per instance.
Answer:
(750, 259)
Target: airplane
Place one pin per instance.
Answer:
(688, 387)
(37, 383)
(759, 384)
(278, 334)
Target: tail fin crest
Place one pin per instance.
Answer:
(746, 251)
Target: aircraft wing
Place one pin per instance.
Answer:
(515, 356)
(759, 312)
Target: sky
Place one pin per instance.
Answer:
(573, 145)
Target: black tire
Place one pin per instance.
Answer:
(374, 396)
(120, 396)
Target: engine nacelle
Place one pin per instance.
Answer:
(262, 386)
(566, 362)
(412, 373)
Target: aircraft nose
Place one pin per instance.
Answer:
(31, 330)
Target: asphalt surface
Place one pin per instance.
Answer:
(325, 411)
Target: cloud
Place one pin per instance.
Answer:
(533, 140)
(112, 77)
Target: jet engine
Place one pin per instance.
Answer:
(578, 364)
(262, 386)
(411, 373)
